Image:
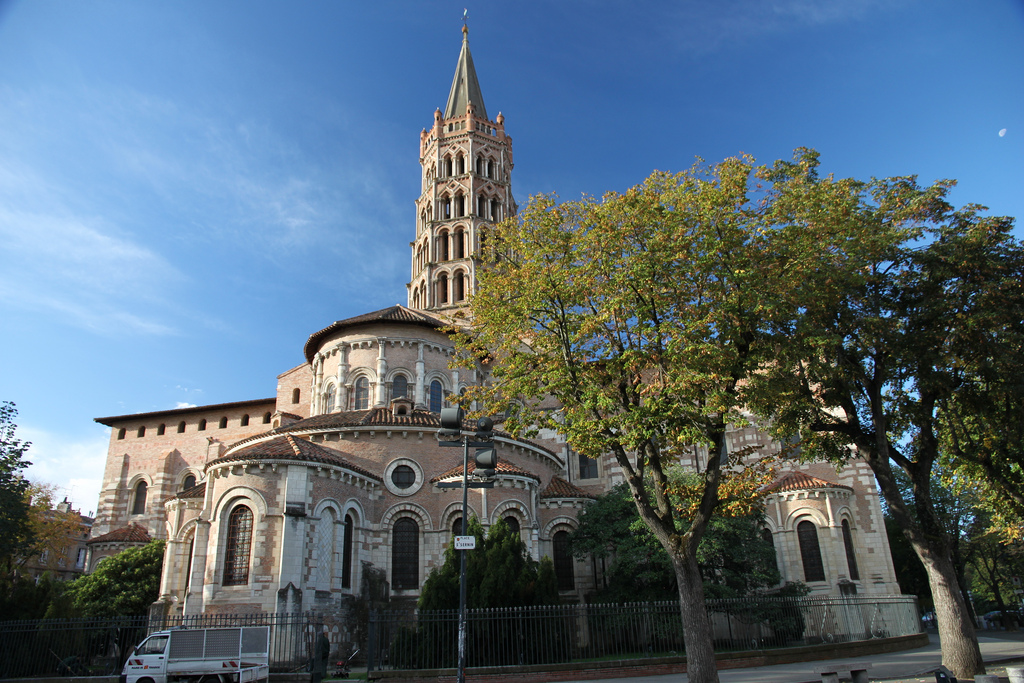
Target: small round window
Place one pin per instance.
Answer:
(403, 476)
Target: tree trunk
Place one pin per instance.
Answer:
(960, 651)
(700, 650)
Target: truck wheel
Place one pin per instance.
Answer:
(145, 680)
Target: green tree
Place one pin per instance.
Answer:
(124, 585)
(15, 529)
(499, 573)
(734, 559)
(641, 315)
(909, 306)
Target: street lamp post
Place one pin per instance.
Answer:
(451, 435)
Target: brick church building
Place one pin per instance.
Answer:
(293, 502)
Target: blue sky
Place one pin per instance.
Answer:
(189, 189)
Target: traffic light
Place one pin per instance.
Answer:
(451, 424)
(486, 461)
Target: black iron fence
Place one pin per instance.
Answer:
(99, 647)
(576, 633)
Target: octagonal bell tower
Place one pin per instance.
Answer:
(466, 166)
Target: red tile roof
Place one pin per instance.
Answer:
(796, 481)
(289, 447)
(133, 533)
(503, 468)
(394, 314)
(109, 421)
(560, 488)
(197, 491)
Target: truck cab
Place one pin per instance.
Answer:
(148, 662)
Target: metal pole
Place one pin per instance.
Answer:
(462, 563)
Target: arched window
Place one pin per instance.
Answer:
(400, 387)
(139, 500)
(223, 423)
(266, 418)
(457, 526)
(325, 549)
(481, 205)
(245, 420)
(346, 558)
(236, 550)
(181, 427)
(460, 165)
(459, 244)
(121, 433)
(442, 247)
(161, 430)
(436, 397)
(851, 559)
(768, 537)
(479, 166)
(361, 396)
(460, 205)
(405, 554)
(142, 432)
(447, 167)
(296, 394)
(459, 285)
(563, 561)
(512, 522)
(810, 551)
(494, 210)
(202, 425)
(490, 169)
(442, 288)
(329, 399)
(189, 482)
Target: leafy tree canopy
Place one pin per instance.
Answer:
(15, 529)
(124, 585)
(499, 573)
(735, 560)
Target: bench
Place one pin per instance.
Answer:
(830, 672)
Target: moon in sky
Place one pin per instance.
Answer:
(1002, 132)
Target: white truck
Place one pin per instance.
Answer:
(201, 655)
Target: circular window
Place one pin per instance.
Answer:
(403, 477)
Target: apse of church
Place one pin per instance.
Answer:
(327, 489)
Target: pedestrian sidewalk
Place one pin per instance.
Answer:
(903, 667)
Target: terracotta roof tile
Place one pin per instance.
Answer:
(197, 491)
(560, 488)
(503, 468)
(133, 533)
(796, 481)
(289, 447)
(108, 421)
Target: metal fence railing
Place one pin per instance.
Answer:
(99, 647)
(576, 633)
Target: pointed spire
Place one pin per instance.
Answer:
(465, 86)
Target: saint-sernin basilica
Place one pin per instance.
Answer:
(295, 502)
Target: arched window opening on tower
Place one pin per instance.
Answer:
(121, 433)
(329, 399)
(244, 422)
(442, 246)
(851, 558)
(181, 427)
(512, 522)
(479, 166)
(223, 423)
(446, 209)
(266, 418)
(139, 499)
(459, 285)
(405, 554)
(325, 549)
(161, 430)
(460, 205)
(460, 166)
(361, 396)
(188, 482)
(494, 215)
(296, 394)
(490, 169)
(202, 425)
(436, 397)
(810, 551)
(563, 561)
(481, 206)
(442, 288)
(141, 433)
(237, 548)
(400, 387)
(447, 167)
(459, 244)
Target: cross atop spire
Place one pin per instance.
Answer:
(465, 86)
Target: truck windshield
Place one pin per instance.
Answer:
(154, 646)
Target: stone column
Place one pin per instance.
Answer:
(199, 590)
(420, 378)
(382, 371)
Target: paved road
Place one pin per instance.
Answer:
(910, 665)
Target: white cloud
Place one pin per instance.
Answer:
(74, 464)
(182, 404)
